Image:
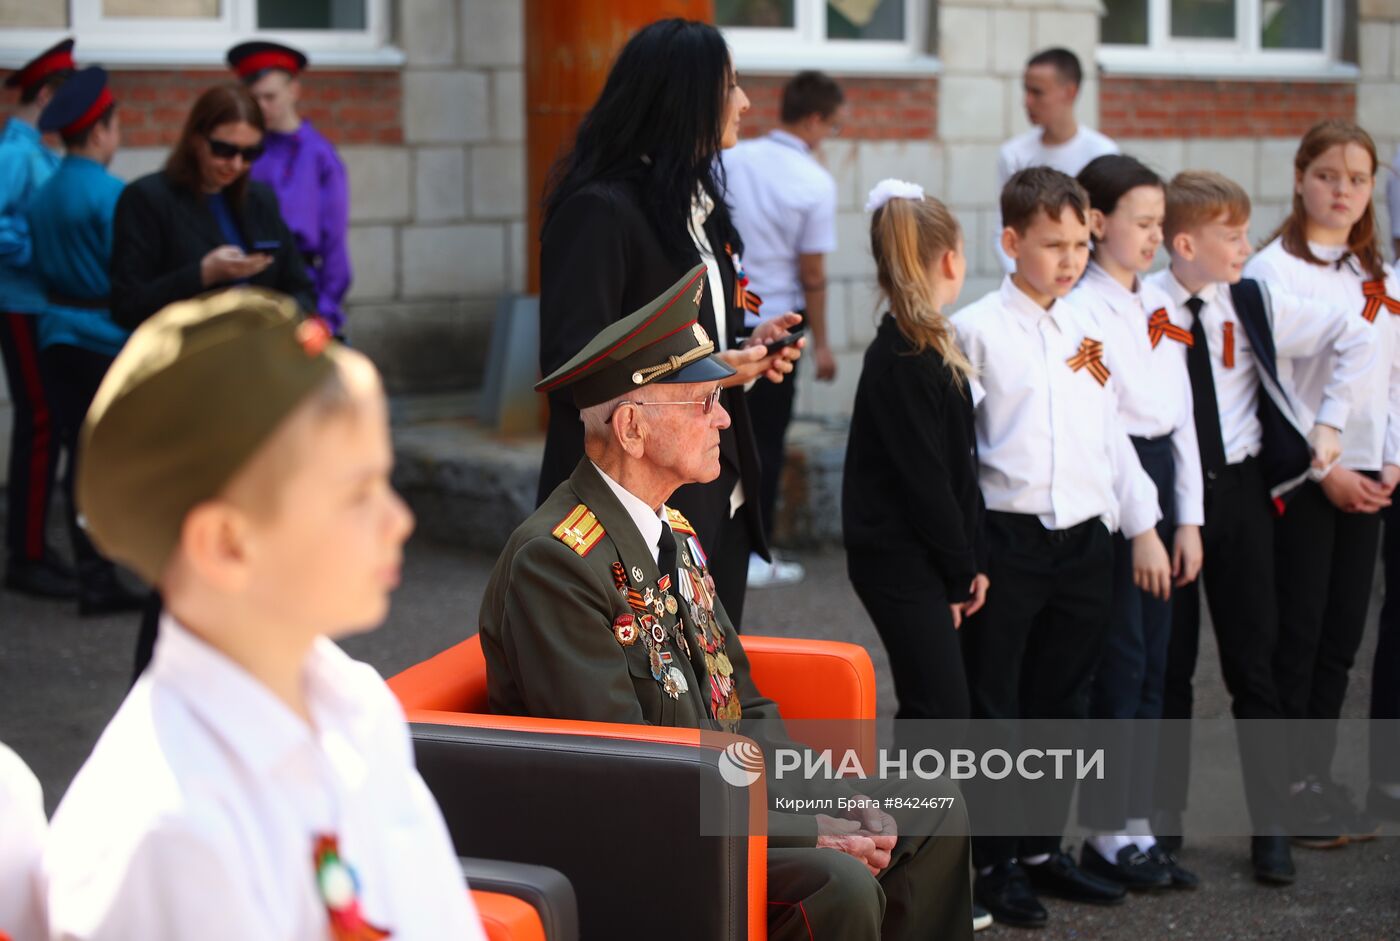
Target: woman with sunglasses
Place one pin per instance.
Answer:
(200, 223)
(636, 203)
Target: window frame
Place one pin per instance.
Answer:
(192, 41)
(1243, 55)
(805, 43)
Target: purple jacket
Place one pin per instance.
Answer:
(305, 172)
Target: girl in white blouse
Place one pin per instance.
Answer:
(1328, 250)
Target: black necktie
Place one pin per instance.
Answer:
(666, 554)
(1207, 409)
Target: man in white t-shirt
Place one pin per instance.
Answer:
(1057, 140)
(783, 203)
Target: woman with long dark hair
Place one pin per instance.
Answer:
(200, 223)
(636, 203)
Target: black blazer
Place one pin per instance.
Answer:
(162, 232)
(600, 260)
(909, 495)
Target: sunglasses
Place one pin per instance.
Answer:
(223, 150)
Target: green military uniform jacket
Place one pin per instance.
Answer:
(569, 628)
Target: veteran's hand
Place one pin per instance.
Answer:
(845, 835)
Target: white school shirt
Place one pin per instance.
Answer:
(1372, 435)
(1300, 329)
(1049, 440)
(197, 812)
(22, 830)
(701, 205)
(784, 205)
(1153, 386)
(1029, 150)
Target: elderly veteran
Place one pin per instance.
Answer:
(601, 608)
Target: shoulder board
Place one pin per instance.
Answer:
(580, 530)
(678, 522)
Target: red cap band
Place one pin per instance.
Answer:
(261, 61)
(61, 60)
(90, 116)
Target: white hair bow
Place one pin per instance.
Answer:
(889, 189)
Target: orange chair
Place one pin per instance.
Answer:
(579, 796)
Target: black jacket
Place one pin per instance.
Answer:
(600, 260)
(910, 494)
(162, 232)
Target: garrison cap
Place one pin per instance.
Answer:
(55, 59)
(662, 342)
(249, 60)
(77, 106)
(190, 399)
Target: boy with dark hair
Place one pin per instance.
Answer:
(783, 202)
(256, 782)
(1057, 140)
(31, 566)
(1257, 445)
(1059, 476)
(70, 221)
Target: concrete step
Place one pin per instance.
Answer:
(470, 486)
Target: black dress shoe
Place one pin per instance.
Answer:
(1273, 861)
(1181, 877)
(42, 578)
(1007, 894)
(1313, 818)
(1060, 877)
(1131, 868)
(1358, 825)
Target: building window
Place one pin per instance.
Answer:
(196, 31)
(825, 33)
(1220, 34)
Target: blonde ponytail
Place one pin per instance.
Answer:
(907, 236)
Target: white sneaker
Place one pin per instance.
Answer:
(763, 574)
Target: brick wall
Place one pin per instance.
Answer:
(359, 107)
(1184, 108)
(876, 108)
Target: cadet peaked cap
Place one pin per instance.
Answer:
(191, 397)
(57, 58)
(77, 106)
(249, 60)
(662, 342)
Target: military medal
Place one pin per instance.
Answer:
(339, 888)
(654, 661)
(677, 679)
(671, 606)
(636, 573)
(625, 630)
(658, 633)
(619, 575)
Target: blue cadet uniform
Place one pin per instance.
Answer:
(70, 221)
(70, 224)
(25, 163)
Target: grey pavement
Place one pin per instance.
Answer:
(61, 677)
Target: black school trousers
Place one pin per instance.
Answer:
(1325, 561)
(1385, 675)
(1239, 587)
(72, 375)
(1030, 654)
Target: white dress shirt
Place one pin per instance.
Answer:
(22, 830)
(197, 812)
(1372, 436)
(1049, 439)
(784, 205)
(647, 520)
(1030, 150)
(1300, 329)
(1153, 386)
